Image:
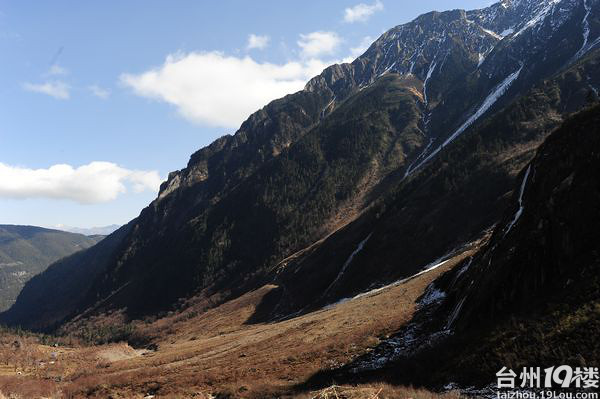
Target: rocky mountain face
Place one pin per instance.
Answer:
(27, 250)
(375, 169)
(529, 296)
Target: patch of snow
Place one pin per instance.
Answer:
(586, 32)
(346, 264)
(427, 77)
(507, 32)
(521, 207)
(461, 271)
(481, 59)
(431, 266)
(412, 67)
(410, 168)
(539, 17)
(492, 33)
(387, 70)
(432, 295)
(334, 304)
(327, 107)
(490, 100)
(427, 269)
(455, 313)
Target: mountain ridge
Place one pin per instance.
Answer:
(319, 168)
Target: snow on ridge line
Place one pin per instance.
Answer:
(490, 100)
(521, 207)
(539, 17)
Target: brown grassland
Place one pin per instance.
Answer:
(216, 354)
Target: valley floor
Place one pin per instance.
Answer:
(218, 354)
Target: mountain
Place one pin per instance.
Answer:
(528, 296)
(91, 231)
(376, 168)
(27, 250)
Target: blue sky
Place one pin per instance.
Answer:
(119, 93)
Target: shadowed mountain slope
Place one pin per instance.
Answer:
(530, 296)
(374, 169)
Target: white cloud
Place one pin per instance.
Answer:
(99, 91)
(317, 44)
(214, 89)
(257, 41)
(56, 89)
(361, 12)
(92, 183)
(56, 70)
(359, 50)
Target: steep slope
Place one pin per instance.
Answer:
(449, 202)
(529, 296)
(368, 172)
(541, 266)
(27, 250)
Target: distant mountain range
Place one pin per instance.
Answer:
(377, 168)
(27, 250)
(91, 231)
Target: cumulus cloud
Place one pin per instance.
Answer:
(215, 89)
(317, 44)
(88, 184)
(99, 91)
(257, 42)
(362, 12)
(56, 89)
(218, 90)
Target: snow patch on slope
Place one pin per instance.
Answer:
(539, 17)
(490, 100)
(492, 33)
(346, 264)
(432, 266)
(429, 73)
(507, 32)
(521, 207)
(455, 313)
(586, 30)
(432, 295)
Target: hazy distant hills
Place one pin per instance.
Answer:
(91, 231)
(27, 250)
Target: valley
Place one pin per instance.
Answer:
(217, 352)
(406, 225)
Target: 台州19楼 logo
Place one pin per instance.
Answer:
(552, 377)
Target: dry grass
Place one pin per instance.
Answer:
(215, 352)
(376, 391)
